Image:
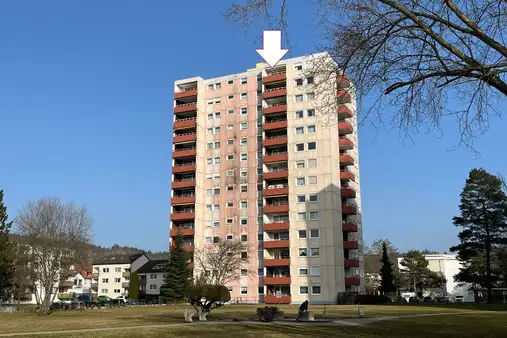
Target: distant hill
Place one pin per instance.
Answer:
(97, 251)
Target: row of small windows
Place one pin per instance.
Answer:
(244, 95)
(243, 111)
(218, 85)
(303, 290)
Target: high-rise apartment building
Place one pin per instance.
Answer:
(256, 160)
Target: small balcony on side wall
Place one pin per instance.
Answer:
(349, 210)
(346, 160)
(276, 123)
(183, 183)
(274, 75)
(273, 262)
(278, 173)
(342, 81)
(344, 128)
(278, 107)
(180, 214)
(277, 276)
(186, 92)
(270, 299)
(185, 122)
(184, 107)
(274, 92)
(276, 226)
(351, 263)
(346, 175)
(353, 281)
(277, 188)
(348, 192)
(275, 140)
(184, 150)
(182, 137)
(276, 205)
(183, 230)
(345, 143)
(349, 227)
(350, 245)
(183, 199)
(344, 112)
(279, 154)
(343, 96)
(183, 166)
(276, 244)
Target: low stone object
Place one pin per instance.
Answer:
(307, 316)
(188, 316)
(266, 315)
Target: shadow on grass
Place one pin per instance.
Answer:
(464, 306)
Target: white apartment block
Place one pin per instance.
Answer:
(112, 274)
(151, 278)
(270, 157)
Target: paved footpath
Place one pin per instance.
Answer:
(342, 322)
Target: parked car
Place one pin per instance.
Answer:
(401, 300)
(443, 299)
(103, 299)
(131, 302)
(428, 299)
(414, 300)
(458, 299)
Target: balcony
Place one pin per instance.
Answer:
(65, 296)
(181, 215)
(275, 140)
(274, 300)
(348, 192)
(66, 284)
(350, 245)
(184, 231)
(277, 280)
(276, 244)
(181, 108)
(343, 97)
(275, 124)
(94, 285)
(183, 200)
(188, 247)
(277, 262)
(353, 281)
(184, 153)
(185, 183)
(277, 226)
(344, 112)
(346, 160)
(345, 143)
(275, 108)
(275, 174)
(125, 285)
(278, 157)
(349, 210)
(342, 81)
(275, 77)
(274, 208)
(278, 191)
(125, 274)
(351, 263)
(345, 128)
(274, 92)
(347, 176)
(183, 168)
(187, 137)
(188, 122)
(349, 227)
(186, 93)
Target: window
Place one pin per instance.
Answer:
(210, 116)
(310, 96)
(230, 82)
(244, 272)
(216, 207)
(244, 204)
(243, 111)
(230, 127)
(316, 290)
(209, 131)
(303, 290)
(217, 145)
(117, 269)
(230, 97)
(315, 252)
(310, 113)
(209, 192)
(298, 114)
(244, 290)
(208, 240)
(210, 101)
(230, 111)
(313, 198)
(116, 290)
(216, 191)
(244, 157)
(217, 160)
(105, 269)
(153, 286)
(300, 164)
(301, 233)
(314, 233)
(230, 141)
(228, 221)
(244, 238)
(261, 290)
(243, 126)
(209, 146)
(244, 173)
(209, 176)
(218, 86)
(244, 255)
(217, 100)
(210, 87)
(216, 239)
(312, 145)
(298, 98)
(260, 237)
(244, 221)
(243, 80)
(153, 276)
(303, 252)
(299, 82)
(301, 198)
(314, 215)
(210, 161)
(104, 290)
(217, 130)
(244, 140)
(230, 172)
(310, 129)
(216, 224)
(301, 216)
(230, 157)
(312, 179)
(217, 115)
(229, 204)
(298, 67)
(244, 188)
(300, 181)
(300, 147)
(105, 280)
(300, 130)
(228, 237)
(303, 271)
(243, 96)
(315, 271)
(229, 188)
(312, 163)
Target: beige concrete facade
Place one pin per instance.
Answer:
(255, 158)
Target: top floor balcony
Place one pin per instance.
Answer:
(186, 92)
(275, 77)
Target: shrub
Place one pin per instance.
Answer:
(372, 299)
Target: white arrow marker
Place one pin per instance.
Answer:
(272, 51)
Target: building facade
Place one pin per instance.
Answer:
(151, 278)
(257, 157)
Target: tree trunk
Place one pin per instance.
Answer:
(488, 260)
(202, 314)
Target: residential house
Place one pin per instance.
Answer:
(151, 278)
(111, 275)
(79, 284)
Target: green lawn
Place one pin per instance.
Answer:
(476, 321)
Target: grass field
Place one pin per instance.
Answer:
(474, 321)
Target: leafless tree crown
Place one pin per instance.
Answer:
(422, 59)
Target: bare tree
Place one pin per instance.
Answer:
(415, 56)
(57, 235)
(220, 263)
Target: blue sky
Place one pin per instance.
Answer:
(85, 109)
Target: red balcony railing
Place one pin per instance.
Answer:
(179, 216)
(277, 262)
(276, 244)
(276, 191)
(346, 160)
(275, 125)
(275, 92)
(186, 93)
(352, 281)
(188, 122)
(277, 280)
(183, 184)
(344, 128)
(347, 176)
(349, 210)
(349, 227)
(275, 108)
(280, 157)
(180, 108)
(183, 231)
(351, 263)
(275, 300)
(184, 153)
(344, 112)
(275, 140)
(278, 226)
(348, 192)
(276, 174)
(343, 97)
(276, 208)
(188, 137)
(350, 245)
(342, 81)
(275, 77)
(345, 143)
(183, 200)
